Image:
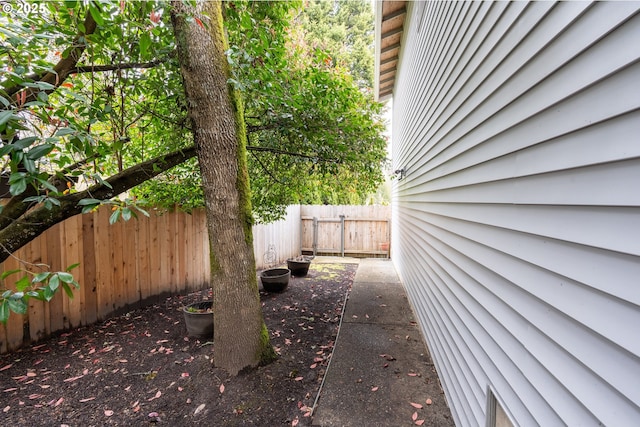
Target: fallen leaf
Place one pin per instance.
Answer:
(108, 412)
(5, 367)
(221, 388)
(414, 416)
(419, 422)
(412, 374)
(429, 402)
(298, 378)
(153, 414)
(199, 409)
(295, 422)
(184, 374)
(59, 401)
(313, 366)
(88, 399)
(375, 388)
(416, 405)
(6, 409)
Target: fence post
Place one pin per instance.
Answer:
(342, 235)
(315, 235)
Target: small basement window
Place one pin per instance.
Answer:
(496, 415)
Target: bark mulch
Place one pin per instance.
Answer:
(142, 368)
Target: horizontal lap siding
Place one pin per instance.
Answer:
(516, 227)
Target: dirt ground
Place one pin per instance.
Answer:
(142, 368)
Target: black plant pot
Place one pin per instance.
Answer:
(299, 268)
(275, 279)
(199, 319)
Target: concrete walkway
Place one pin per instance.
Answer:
(380, 364)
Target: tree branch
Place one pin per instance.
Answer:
(20, 232)
(290, 153)
(114, 67)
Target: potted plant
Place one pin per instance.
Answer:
(275, 279)
(199, 318)
(299, 265)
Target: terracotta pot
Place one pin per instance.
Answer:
(384, 246)
(199, 319)
(275, 279)
(298, 267)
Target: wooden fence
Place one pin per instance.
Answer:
(125, 265)
(361, 231)
(132, 263)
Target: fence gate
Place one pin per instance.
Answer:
(352, 232)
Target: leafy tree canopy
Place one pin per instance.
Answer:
(314, 134)
(92, 105)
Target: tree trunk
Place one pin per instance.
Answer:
(241, 339)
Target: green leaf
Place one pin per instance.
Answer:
(67, 290)
(17, 305)
(39, 151)
(48, 293)
(6, 150)
(65, 131)
(4, 311)
(96, 14)
(115, 216)
(54, 282)
(9, 273)
(41, 277)
(126, 214)
(66, 277)
(145, 42)
(89, 202)
(23, 283)
(18, 187)
(7, 115)
(72, 266)
(29, 165)
(24, 142)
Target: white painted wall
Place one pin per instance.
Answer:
(517, 227)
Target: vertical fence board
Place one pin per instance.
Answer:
(155, 262)
(14, 326)
(36, 314)
(89, 265)
(103, 245)
(129, 281)
(72, 254)
(54, 260)
(142, 256)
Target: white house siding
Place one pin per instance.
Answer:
(517, 226)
